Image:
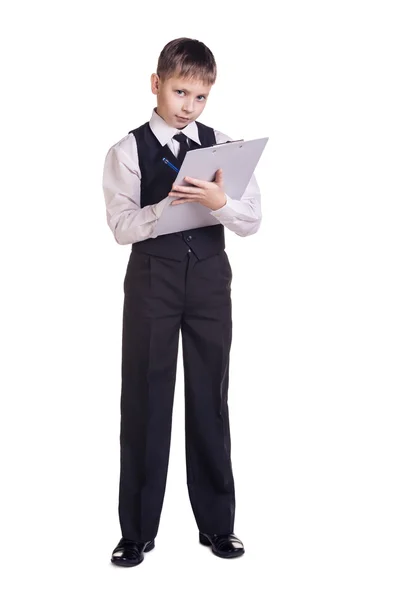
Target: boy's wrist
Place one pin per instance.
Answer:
(222, 204)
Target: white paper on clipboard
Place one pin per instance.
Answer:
(238, 161)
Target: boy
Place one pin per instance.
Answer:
(175, 282)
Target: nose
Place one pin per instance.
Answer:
(188, 106)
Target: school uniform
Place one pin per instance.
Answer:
(180, 282)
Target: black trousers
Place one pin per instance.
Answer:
(161, 298)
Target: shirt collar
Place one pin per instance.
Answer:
(164, 132)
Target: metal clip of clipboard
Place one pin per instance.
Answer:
(227, 142)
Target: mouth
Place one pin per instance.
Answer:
(183, 119)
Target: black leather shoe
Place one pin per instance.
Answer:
(224, 546)
(129, 553)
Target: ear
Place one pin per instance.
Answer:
(155, 83)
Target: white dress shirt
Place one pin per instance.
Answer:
(121, 185)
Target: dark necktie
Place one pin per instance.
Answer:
(183, 147)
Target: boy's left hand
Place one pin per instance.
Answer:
(209, 193)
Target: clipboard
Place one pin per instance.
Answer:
(238, 160)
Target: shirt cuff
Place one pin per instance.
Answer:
(158, 208)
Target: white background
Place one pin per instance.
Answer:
(314, 388)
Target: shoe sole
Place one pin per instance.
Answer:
(206, 542)
(124, 563)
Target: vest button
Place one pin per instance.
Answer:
(189, 237)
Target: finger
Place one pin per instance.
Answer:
(184, 188)
(184, 201)
(218, 176)
(188, 194)
(198, 182)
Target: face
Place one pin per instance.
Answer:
(178, 97)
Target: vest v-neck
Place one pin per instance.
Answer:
(168, 154)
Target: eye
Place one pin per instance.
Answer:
(182, 92)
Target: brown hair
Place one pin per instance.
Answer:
(187, 58)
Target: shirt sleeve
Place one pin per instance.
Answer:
(121, 186)
(242, 215)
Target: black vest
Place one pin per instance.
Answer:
(157, 180)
